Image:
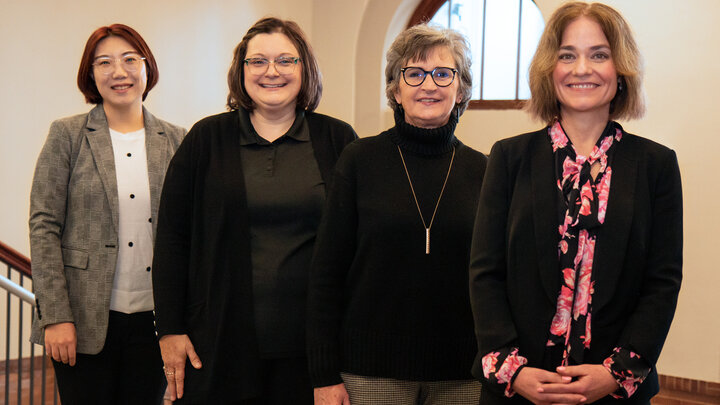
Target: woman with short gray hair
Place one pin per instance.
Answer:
(389, 317)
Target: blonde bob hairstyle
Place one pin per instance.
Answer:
(416, 43)
(629, 101)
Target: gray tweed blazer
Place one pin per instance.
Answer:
(74, 220)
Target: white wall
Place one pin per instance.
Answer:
(41, 43)
(679, 42)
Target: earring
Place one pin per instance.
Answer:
(620, 84)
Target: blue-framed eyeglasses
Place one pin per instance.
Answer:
(415, 76)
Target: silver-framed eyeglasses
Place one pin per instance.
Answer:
(130, 62)
(415, 76)
(284, 65)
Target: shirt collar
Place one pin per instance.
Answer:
(248, 135)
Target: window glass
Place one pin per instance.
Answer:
(532, 25)
(511, 30)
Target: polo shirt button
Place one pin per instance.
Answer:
(148, 269)
(132, 195)
(129, 155)
(130, 244)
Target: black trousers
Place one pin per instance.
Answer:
(284, 381)
(128, 370)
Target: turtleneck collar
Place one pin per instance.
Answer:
(423, 141)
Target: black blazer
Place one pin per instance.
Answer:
(514, 271)
(202, 273)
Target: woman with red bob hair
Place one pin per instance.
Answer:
(93, 206)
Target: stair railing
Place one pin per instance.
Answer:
(18, 300)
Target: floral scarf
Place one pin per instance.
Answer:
(580, 214)
(583, 207)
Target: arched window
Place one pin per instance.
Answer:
(503, 36)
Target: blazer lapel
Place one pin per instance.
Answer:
(156, 148)
(98, 136)
(612, 237)
(544, 202)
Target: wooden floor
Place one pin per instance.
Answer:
(683, 398)
(25, 397)
(667, 395)
(684, 391)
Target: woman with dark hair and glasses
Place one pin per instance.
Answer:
(389, 313)
(241, 204)
(93, 207)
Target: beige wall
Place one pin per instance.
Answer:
(41, 43)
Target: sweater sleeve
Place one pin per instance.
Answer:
(334, 252)
(172, 243)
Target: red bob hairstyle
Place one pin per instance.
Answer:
(85, 79)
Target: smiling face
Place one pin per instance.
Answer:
(271, 90)
(585, 77)
(428, 105)
(119, 89)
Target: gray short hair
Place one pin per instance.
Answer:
(415, 43)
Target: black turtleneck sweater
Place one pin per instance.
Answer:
(378, 305)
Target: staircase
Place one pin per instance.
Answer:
(26, 374)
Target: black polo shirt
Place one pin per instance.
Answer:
(285, 198)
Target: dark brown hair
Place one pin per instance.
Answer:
(311, 84)
(85, 79)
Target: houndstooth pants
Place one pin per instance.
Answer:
(364, 390)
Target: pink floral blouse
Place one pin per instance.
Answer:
(584, 205)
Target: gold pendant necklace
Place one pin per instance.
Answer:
(417, 204)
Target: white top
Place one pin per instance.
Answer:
(132, 287)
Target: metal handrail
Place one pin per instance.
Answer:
(17, 290)
(18, 300)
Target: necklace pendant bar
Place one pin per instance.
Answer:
(427, 241)
(417, 204)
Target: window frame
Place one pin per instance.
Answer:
(424, 12)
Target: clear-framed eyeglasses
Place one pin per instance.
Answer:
(284, 65)
(130, 62)
(415, 76)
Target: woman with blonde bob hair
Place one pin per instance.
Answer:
(389, 318)
(627, 104)
(573, 278)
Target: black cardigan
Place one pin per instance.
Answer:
(514, 269)
(378, 305)
(202, 275)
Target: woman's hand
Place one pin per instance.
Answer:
(532, 382)
(593, 381)
(332, 395)
(61, 342)
(175, 349)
